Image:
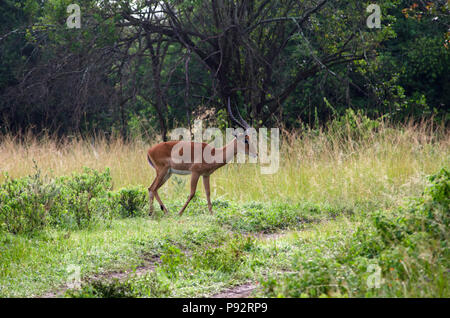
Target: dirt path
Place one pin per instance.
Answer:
(241, 291)
(148, 266)
(246, 290)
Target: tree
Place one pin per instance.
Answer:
(257, 52)
(162, 62)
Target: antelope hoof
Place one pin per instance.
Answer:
(164, 209)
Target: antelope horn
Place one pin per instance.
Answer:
(245, 125)
(232, 116)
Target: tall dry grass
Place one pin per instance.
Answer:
(373, 168)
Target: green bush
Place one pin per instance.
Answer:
(80, 203)
(152, 285)
(31, 203)
(73, 202)
(25, 203)
(129, 202)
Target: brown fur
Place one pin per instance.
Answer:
(160, 158)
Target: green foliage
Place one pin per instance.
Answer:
(429, 214)
(353, 125)
(152, 285)
(226, 258)
(171, 259)
(129, 202)
(31, 203)
(148, 285)
(407, 77)
(259, 217)
(409, 245)
(79, 190)
(26, 204)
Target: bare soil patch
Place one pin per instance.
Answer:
(241, 291)
(148, 266)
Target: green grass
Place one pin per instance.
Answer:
(200, 255)
(31, 266)
(35, 263)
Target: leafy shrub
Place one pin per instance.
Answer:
(365, 242)
(129, 202)
(25, 203)
(29, 204)
(90, 181)
(79, 197)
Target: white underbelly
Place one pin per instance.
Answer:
(184, 172)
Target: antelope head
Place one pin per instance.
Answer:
(243, 139)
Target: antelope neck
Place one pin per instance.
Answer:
(228, 152)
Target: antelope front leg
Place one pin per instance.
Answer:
(207, 191)
(194, 180)
(151, 196)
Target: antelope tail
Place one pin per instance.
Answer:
(150, 161)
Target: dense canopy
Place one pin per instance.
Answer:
(148, 65)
